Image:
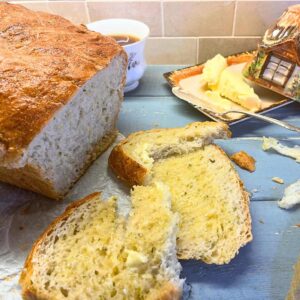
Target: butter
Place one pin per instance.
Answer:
(291, 196)
(233, 87)
(212, 70)
(135, 259)
(220, 102)
(141, 154)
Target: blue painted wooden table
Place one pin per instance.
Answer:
(263, 269)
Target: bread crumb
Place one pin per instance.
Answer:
(261, 221)
(254, 191)
(291, 196)
(278, 180)
(244, 160)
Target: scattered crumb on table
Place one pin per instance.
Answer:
(261, 221)
(278, 180)
(244, 160)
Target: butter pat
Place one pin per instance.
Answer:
(135, 259)
(233, 87)
(291, 196)
(141, 154)
(219, 102)
(212, 70)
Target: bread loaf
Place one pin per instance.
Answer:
(206, 190)
(61, 88)
(91, 252)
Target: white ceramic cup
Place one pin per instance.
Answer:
(135, 51)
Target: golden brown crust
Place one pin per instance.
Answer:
(28, 290)
(244, 160)
(167, 292)
(294, 291)
(44, 60)
(30, 178)
(126, 168)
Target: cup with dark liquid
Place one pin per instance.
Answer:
(131, 35)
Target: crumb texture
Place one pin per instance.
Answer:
(96, 254)
(58, 104)
(207, 194)
(147, 146)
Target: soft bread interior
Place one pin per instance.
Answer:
(150, 242)
(213, 207)
(147, 146)
(78, 132)
(206, 190)
(96, 254)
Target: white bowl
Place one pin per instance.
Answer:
(135, 51)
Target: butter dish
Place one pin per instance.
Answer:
(193, 89)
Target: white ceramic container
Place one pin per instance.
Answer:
(135, 51)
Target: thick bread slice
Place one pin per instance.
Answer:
(92, 253)
(133, 158)
(212, 203)
(206, 190)
(58, 103)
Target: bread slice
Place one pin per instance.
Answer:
(91, 252)
(294, 291)
(206, 190)
(58, 103)
(133, 158)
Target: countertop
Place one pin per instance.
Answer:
(263, 269)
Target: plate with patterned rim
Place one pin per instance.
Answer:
(187, 85)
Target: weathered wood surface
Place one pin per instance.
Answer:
(263, 269)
